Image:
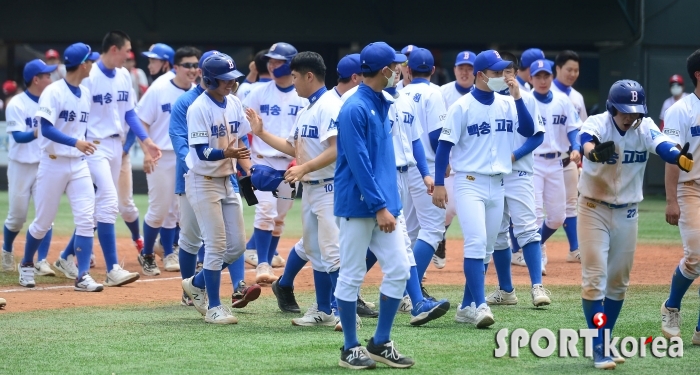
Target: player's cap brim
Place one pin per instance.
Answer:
(152, 55)
(627, 108)
(500, 65)
(48, 68)
(465, 63)
(230, 76)
(542, 69)
(276, 56)
(400, 58)
(93, 56)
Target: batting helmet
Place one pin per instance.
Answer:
(626, 96)
(282, 51)
(219, 66)
(265, 178)
(161, 51)
(676, 78)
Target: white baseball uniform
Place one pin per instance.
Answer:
(23, 162)
(667, 104)
(278, 110)
(519, 203)
(154, 109)
(560, 118)
(63, 168)
(607, 210)
(315, 125)
(681, 125)
(246, 87)
(208, 183)
(424, 220)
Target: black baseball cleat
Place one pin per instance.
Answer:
(387, 354)
(285, 298)
(356, 358)
(364, 311)
(426, 295)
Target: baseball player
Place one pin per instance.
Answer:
(617, 144)
(405, 77)
(160, 62)
(480, 126)
(524, 74)
(349, 74)
(677, 93)
(138, 76)
(259, 67)
(23, 164)
(313, 142)
(561, 123)
(154, 110)
(64, 108)
(278, 104)
(682, 202)
(567, 69)
(190, 241)
(519, 206)
(463, 84)
(215, 121)
(424, 221)
(52, 57)
(367, 204)
(112, 103)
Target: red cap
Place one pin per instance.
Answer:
(676, 78)
(52, 54)
(9, 87)
(130, 55)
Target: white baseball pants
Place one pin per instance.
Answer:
(479, 202)
(105, 166)
(163, 210)
(125, 192)
(550, 192)
(21, 186)
(320, 238)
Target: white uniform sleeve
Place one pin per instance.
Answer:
(674, 126)
(573, 122)
(15, 118)
(435, 109)
(415, 127)
(197, 127)
(592, 127)
(251, 101)
(653, 136)
(147, 109)
(48, 106)
(328, 122)
(452, 128)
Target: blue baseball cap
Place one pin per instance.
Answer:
(529, 56)
(77, 54)
(205, 55)
(377, 55)
(465, 57)
(265, 178)
(540, 65)
(161, 51)
(349, 65)
(421, 60)
(490, 59)
(36, 67)
(408, 49)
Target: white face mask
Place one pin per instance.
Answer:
(497, 83)
(391, 79)
(676, 90)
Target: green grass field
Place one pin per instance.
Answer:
(171, 339)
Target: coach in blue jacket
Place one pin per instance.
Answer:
(366, 206)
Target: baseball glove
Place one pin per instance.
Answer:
(685, 159)
(602, 152)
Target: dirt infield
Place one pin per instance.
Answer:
(652, 266)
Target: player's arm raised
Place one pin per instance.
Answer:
(278, 143)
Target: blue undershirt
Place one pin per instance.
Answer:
(442, 158)
(55, 135)
(23, 137)
(529, 146)
(419, 155)
(564, 88)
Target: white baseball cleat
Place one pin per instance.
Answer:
(172, 263)
(26, 276)
(42, 268)
(8, 261)
(313, 317)
(251, 257)
(264, 274)
(198, 296)
(220, 315)
(574, 256)
(158, 248)
(406, 305)
(501, 297)
(67, 267)
(483, 316)
(466, 314)
(518, 259)
(87, 284)
(3, 303)
(278, 261)
(696, 337)
(540, 295)
(119, 276)
(670, 321)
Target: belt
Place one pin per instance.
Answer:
(551, 155)
(609, 205)
(402, 169)
(114, 136)
(689, 183)
(318, 182)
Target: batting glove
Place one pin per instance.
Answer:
(685, 159)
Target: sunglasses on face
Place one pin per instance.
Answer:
(189, 65)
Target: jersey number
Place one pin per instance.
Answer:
(329, 188)
(631, 213)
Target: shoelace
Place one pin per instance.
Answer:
(390, 351)
(357, 353)
(312, 310)
(498, 295)
(674, 319)
(541, 289)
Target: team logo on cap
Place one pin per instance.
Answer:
(466, 55)
(410, 48)
(273, 47)
(496, 53)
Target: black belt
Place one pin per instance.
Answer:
(609, 205)
(318, 182)
(402, 169)
(551, 155)
(114, 136)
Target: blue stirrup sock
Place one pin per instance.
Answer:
(70, 248)
(347, 311)
(44, 246)
(501, 260)
(474, 273)
(177, 235)
(188, 264)
(370, 260)
(262, 243)
(167, 237)
(532, 253)
(212, 280)
(590, 308)
(200, 255)
(514, 246)
(83, 252)
(149, 238)
(571, 234)
(612, 311)
(423, 253)
(413, 287)
(237, 272)
(291, 269)
(679, 285)
(388, 307)
(134, 229)
(30, 248)
(274, 240)
(323, 286)
(250, 245)
(8, 239)
(108, 241)
(546, 232)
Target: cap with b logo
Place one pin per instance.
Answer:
(540, 65)
(36, 67)
(465, 57)
(421, 60)
(491, 60)
(529, 56)
(206, 55)
(77, 54)
(408, 49)
(377, 55)
(160, 51)
(349, 65)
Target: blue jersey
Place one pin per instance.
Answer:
(365, 173)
